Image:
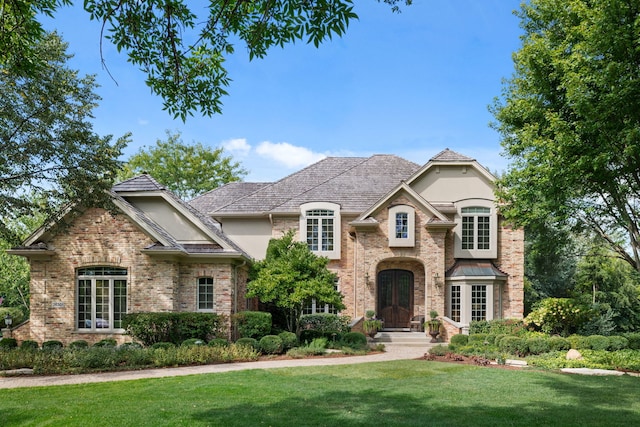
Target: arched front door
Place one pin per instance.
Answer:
(395, 297)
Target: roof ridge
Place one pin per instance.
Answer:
(448, 155)
(364, 160)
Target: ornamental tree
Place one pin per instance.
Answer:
(291, 276)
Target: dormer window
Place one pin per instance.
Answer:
(476, 232)
(320, 228)
(401, 226)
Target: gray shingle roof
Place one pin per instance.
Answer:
(353, 182)
(223, 195)
(447, 155)
(144, 182)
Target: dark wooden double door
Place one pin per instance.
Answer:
(395, 298)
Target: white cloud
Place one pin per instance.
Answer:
(143, 122)
(238, 146)
(287, 154)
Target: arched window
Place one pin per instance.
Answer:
(476, 232)
(402, 226)
(320, 228)
(101, 298)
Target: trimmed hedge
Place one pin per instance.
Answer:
(52, 345)
(252, 324)
(270, 344)
(219, 342)
(324, 325)
(151, 328)
(8, 343)
(459, 340)
(248, 342)
(75, 345)
(29, 345)
(289, 340)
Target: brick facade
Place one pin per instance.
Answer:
(98, 238)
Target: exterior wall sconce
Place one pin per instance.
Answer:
(366, 279)
(436, 279)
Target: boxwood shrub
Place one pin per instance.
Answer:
(558, 343)
(252, 324)
(192, 342)
(289, 340)
(151, 328)
(617, 342)
(163, 345)
(513, 345)
(459, 340)
(29, 345)
(633, 339)
(8, 343)
(78, 344)
(270, 344)
(538, 345)
(219, 342)
(107, 342)
(52, 345)
(477, 338)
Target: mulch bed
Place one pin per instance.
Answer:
(466, 360)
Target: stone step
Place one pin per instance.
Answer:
(408, 339)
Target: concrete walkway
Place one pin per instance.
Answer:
(393, 352)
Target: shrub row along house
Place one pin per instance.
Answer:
(403, 239)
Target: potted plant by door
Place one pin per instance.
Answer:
(432, 326)
(371, 325)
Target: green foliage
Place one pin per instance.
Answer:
(290, 277)
(633, 339)
(578, 342)
(568, 121)
(16, 313)
(107, 342)
(270, 344)
(513, 345)
(459, 340)
(248, 342)
(150, 328)
(617, 342)
(29, 345)
(439, 350)
(598, 342)
(497, 326)
(477, 338)
(192, 341)
(78, 344)
(252, 324)
(52, 345)
(322, 325)
(316, 347)
(162, 345)
(538, 345)
(354, 340)
(8, 343)
(186, 170)
(49, 153)
(289, 340)
(218, 342)
(557, 343)
(558, 316)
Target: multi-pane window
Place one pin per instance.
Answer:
(205, 294)
(402, 225)
(314, 306)
(101, 298)
(320, 229)
(478, 302)
(476, 230)
(455, 303)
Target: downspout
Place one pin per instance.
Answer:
(235, 292)
(354, 239)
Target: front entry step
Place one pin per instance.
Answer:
(407, 339)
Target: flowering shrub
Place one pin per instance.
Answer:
(558, 316)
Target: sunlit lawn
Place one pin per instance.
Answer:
(403, 393)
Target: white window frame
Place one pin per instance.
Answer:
(315, 308)
(213, 294)
(467, 302)
(410, 240)
(92, 274)
(306, 213)
(474, 252)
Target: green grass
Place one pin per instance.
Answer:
(403, 393)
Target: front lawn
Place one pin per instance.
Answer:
(402, 393)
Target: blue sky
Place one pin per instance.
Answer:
(409, 84)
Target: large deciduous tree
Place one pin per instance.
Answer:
(49, 154)
(187, 170)
(570, 122)
(290, 277)
(182, 49)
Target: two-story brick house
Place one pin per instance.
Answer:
(403, 239)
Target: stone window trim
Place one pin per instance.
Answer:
(101, 299)
(476, 221)
(402, 226)
(324, 220)
(205, 294)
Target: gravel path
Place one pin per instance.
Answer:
(392, 353)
